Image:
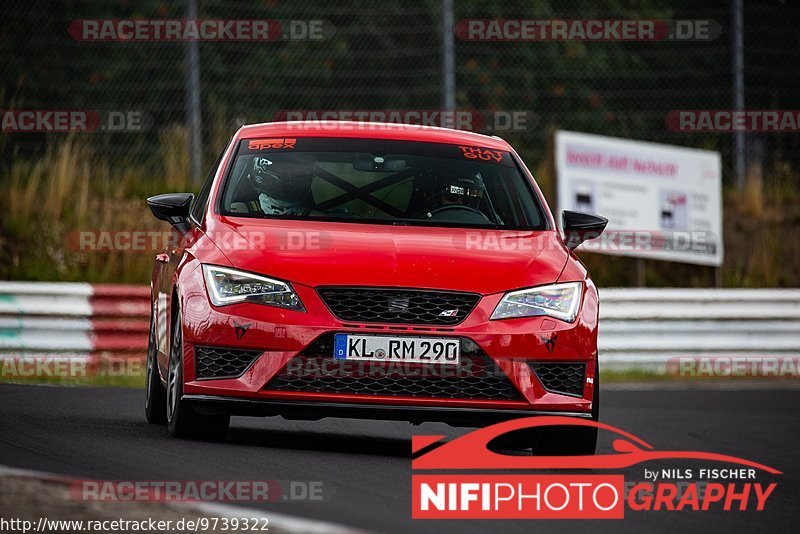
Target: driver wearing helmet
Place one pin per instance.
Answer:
(465, 191)
(282, 188)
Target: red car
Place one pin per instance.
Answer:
(374, 271)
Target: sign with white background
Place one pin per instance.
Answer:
(662, 201)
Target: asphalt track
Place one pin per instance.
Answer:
(102, 434)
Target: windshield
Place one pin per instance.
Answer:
(380, 182)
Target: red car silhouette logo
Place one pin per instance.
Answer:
(471, 450)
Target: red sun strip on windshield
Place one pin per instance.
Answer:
(484, 154)
(266, 144)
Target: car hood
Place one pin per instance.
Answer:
(324, 253)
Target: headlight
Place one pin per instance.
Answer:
(558, 300)
(228, 286)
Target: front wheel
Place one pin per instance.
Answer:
(182, 420)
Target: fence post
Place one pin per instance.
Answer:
(193, 116)
(738, 91)
(448, 58)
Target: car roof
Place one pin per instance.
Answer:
(372, 130)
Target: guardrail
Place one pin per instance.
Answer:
(645, 328)
(639, 328)
(89, 323)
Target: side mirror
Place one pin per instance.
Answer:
(580, 227)
(173, 208)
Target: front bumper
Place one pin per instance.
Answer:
(214, 405)
(281, 335)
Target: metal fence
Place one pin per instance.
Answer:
(376, 55)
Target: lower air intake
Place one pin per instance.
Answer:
(216, 362)
(564, 378)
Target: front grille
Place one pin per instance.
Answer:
(406, 306)
(565, 378)
(316, 370)
(216, 362)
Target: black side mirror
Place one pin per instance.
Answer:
(580, 227)
(173, 208)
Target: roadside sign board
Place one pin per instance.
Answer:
(662, 201)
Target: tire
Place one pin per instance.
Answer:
(182, 420)
(155, 396)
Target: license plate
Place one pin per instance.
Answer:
(397, 349)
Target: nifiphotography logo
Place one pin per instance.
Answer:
(595, 489)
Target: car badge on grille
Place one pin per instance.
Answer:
(398, 304)
(449, 313)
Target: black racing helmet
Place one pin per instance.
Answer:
(466, 190)
(282, 180)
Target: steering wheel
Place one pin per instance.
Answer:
(458, 207)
